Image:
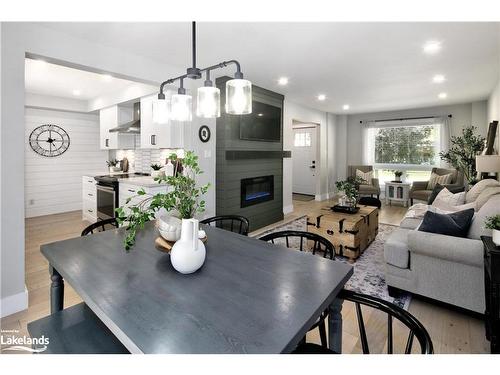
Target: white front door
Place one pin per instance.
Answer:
(304, 160)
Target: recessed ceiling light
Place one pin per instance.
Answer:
(431, 47)
(321, 97)
(260, 114)
(438, 78)
(283, 81)
(442, 95)
(345, 107)
(76, 92)
(107, 77)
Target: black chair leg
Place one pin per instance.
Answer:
(371, 195)
(322, 334)
(411, 201)
(378, 196)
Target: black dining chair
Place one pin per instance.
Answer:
(416, 329)
(233, 223)
(299, 240)
(100, 226)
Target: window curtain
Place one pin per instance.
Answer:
(369, 132)
(444, 137)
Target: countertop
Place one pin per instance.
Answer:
(146, 181)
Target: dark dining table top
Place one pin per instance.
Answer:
(249, 297)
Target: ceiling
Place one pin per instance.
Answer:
(370, 66)
(55, 80)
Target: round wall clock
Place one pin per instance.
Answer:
(204, 133)
(49, 140)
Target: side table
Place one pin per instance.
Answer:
(397, 191)
(492, 292)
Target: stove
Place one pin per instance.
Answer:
(108, 194)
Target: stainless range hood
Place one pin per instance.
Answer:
(131, 127)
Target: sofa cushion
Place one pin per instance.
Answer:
(437, 179)
(396, 250)
(477, 229)
(455, 224)
(437, 189)
(485, 196)
(474, 192)
(410, 223)
(421, 194)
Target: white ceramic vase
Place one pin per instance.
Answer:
(188, 254)
(496, 237)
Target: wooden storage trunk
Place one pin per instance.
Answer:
(349, 233)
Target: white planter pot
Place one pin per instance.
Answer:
(496, 237)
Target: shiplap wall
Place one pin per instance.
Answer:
(54, 185)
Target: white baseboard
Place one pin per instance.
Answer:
(321, 197)
(12, 304)
(287, 209)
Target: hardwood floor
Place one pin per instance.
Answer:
(451, 331)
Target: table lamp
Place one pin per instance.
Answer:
(488, 163)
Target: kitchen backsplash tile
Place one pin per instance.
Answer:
(140, 160)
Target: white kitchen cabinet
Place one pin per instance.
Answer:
(130, 191)
(89, 199)
(110, 118)
(155, 136)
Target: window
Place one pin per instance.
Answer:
(408, 145)
(302, 139)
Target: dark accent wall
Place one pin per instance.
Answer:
(237, 159)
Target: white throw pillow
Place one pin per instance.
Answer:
(446, 200)
(437, 179)
(478, 188)
(365, 176)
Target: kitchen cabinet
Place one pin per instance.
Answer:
(110, 118)
(89, 199)
(130, 191)
(156, 136)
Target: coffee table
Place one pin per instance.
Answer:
(349, 233)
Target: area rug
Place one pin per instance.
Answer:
(369, 273)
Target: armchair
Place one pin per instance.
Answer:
(419, 188)
(372, 187)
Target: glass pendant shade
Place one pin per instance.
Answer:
(238, 97)
(161, 111)
(208, 102)
(181, 107)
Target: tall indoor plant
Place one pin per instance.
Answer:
(463, 151)
(185, 198)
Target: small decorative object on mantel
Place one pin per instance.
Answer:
(493, 223)
(185, 198)
(113, 165)
(397, 176)
(156, 170)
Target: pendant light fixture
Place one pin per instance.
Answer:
(238, 93)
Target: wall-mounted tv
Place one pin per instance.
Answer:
(263, 124)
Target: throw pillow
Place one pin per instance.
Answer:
(479, 187)
(455, 224)
(437, 179)
(365, 176)
(485, 195)
(446, 200)
(439, 187)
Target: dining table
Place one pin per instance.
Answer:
(249, 296)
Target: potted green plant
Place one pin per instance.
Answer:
(463, 151)
(397, 175)
(112, 165)
(183, 200)
(493, 223)
(348, 189)
(156, 170)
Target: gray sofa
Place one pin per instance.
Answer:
(444, 268)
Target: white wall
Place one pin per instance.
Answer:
(16, 40)
(462, 115)
(54, 184)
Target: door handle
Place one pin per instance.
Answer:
(107, 142)
(312, 166)
(153, 140)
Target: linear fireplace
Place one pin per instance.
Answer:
(256, 190)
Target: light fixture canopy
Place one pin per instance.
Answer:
(238, 92)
